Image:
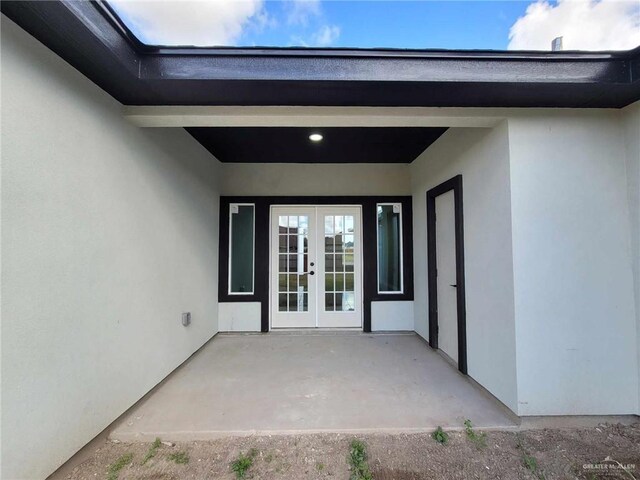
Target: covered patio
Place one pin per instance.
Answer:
(291, 382)
(452, 235)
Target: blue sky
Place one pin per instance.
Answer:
(496, 25)
(400, 24)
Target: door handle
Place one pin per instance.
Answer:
(454, 286)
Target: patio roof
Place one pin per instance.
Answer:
(90, 38)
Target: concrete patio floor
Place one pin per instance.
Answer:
(310, 382)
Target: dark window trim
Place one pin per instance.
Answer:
(369, 248)
(454, 184)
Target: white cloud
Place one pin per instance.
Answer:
(326, 36)
(299, 11)
(191, 22)
(583, 24)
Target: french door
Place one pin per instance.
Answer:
(316, 267)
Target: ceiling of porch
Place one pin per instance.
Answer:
(338, 144)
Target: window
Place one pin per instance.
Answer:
(389, 248)
(241, 248)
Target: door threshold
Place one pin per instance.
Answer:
(315, 331)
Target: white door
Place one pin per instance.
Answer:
(340, 266)
(316, 267)
(446, 279)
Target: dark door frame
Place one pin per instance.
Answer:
(454, 184)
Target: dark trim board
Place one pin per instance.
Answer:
(369, 248)
(454, 184)
(91, 39)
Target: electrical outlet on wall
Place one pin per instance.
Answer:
(186, 319)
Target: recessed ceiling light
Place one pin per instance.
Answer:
(315, 137)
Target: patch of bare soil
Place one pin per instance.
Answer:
(536, 454)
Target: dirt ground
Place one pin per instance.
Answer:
(556, 454)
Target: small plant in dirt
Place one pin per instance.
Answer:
(529, 461)
(153, 449)
(440, 436)
(243, 463)
(115, 467)
(181, 458)
(358, 461)
(479, 439)
(320, 466)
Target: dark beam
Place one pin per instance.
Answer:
(87, 36)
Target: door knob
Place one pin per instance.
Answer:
(312, 272)
(455, 286)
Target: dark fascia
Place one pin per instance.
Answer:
(90, 37)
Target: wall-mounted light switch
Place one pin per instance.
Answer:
(186, 318)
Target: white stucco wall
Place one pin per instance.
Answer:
(239, 316)
(109, 233)
(390, 316)
(575, 320)
(482, 157)
(315, 179)
(631, 129)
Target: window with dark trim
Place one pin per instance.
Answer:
(241, 248)
(390, 275)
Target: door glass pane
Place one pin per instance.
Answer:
(293, 282)
(293, 265)
(338, 302)
(282, 283)
(328, 263)
(241, 249)
(339, 243)
(348, 302)
(340, 286)
(283, 263)
(303, 224)
(303, 283)
(282, 302)
(348, 243)
(389, 248)
(293, 302)
(349, 285)
(329, 283)
(282, 242)
(328, 243)
(348, 224)
(293, 243)
(328, 302)
(328, 224)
